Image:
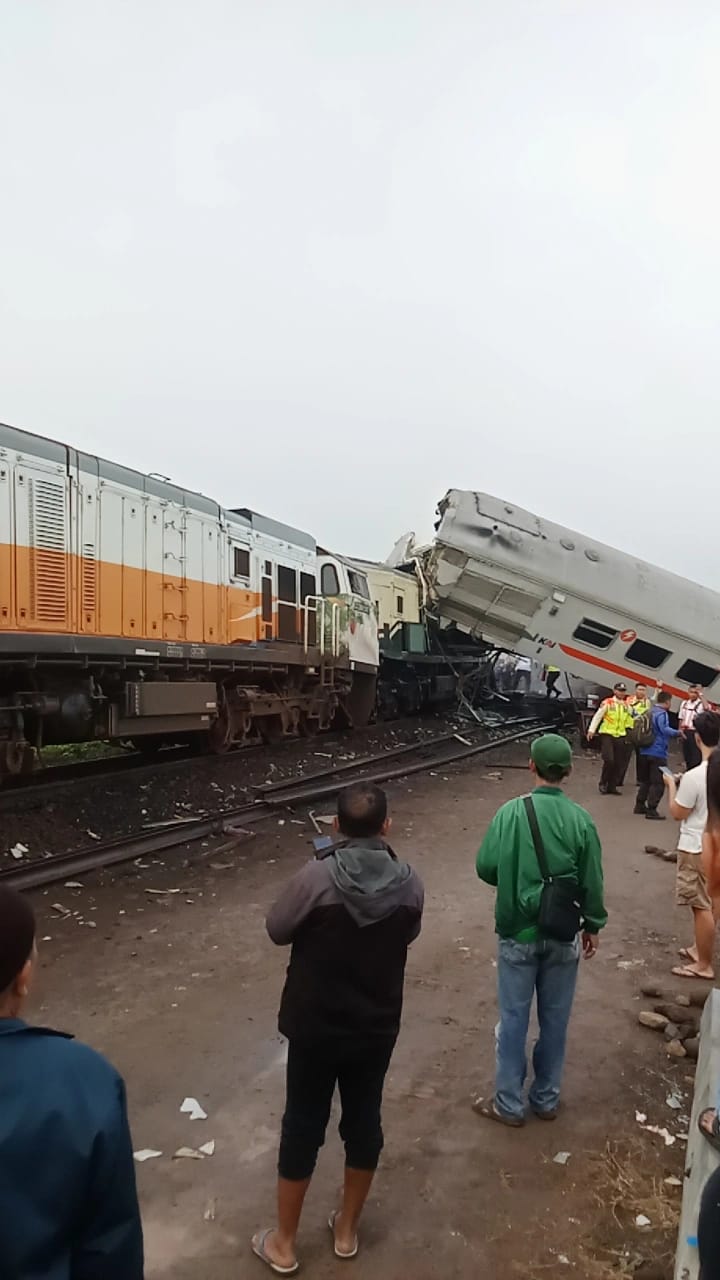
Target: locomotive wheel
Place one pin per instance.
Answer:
(308, 726)
(220, 733)
(270, 729)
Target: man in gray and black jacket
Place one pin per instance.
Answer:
(350, 918)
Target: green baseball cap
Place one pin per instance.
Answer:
(551, 750)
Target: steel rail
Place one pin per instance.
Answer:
(126, 849)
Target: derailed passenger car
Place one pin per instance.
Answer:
(534, 587)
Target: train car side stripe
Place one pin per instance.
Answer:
(603, 663)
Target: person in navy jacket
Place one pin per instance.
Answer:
(653, 759)
(68, 1203)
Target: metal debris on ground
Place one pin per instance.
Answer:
(147, 1153)
(192, 1108)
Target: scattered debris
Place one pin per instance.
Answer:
(163, 890)
(187, 1153)
(674, 1101)
(61, 910)
(192, 1108)
(19, 850)
(147, 1153)
(74, 884)
(208, 1148)
(673, 1182)
(562, 1157)
(93, 835)
(640, 1117)
(209, 1214)
(630, 964)
(668, 1138)
(643, 1222)
(676, 1049)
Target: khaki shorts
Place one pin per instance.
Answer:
(690, 884)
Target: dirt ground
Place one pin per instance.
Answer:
(180, 989)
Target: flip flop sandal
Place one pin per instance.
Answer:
(684, 971)
(259, 1249)
(489, 1111)
(686, 955)
(346, 1257)
(713, 1135)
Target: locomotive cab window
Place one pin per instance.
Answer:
(692, 672)
(595, 633)
(241, 562)
(330, 585)
(647, 654)
(358, 584)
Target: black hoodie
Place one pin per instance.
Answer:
(350, 919)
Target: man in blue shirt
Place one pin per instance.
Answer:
(67, 1178)
(653, 759)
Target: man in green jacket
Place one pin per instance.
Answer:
(527, 961)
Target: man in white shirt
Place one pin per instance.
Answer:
(689, 709)
(688, 805)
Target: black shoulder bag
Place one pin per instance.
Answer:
(559, 902)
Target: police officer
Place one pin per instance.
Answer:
(611, 721)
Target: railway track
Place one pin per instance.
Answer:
(435, 753)
(31, 790)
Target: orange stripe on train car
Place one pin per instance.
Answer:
(596, 661)
(44, 591)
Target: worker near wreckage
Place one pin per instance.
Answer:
(612, 722)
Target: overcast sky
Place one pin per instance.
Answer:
(329, 258)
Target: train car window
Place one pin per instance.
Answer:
(400, 604)
(268, 568)
(287, 584)
(358, 584)
(647, 654)
(595, 633)
(329, 580)
(692, 672)
(241, 563)
(307, 586)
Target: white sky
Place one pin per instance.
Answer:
(328, 258)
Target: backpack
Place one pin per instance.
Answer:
(642, 733)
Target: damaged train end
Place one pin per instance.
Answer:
(556, 596)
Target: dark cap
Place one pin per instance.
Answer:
(17, 934)
(620, 687)
(551, 751)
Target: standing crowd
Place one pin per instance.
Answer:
(67, 1183)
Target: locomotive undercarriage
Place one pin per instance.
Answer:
(150, 706)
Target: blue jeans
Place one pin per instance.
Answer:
(550, 969)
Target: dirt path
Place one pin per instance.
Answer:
(181, 991)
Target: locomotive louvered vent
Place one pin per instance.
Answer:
(89, 578)
(48, 584)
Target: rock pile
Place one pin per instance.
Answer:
(678, 1018)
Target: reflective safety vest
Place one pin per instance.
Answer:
(639, 705)
(617, 718)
